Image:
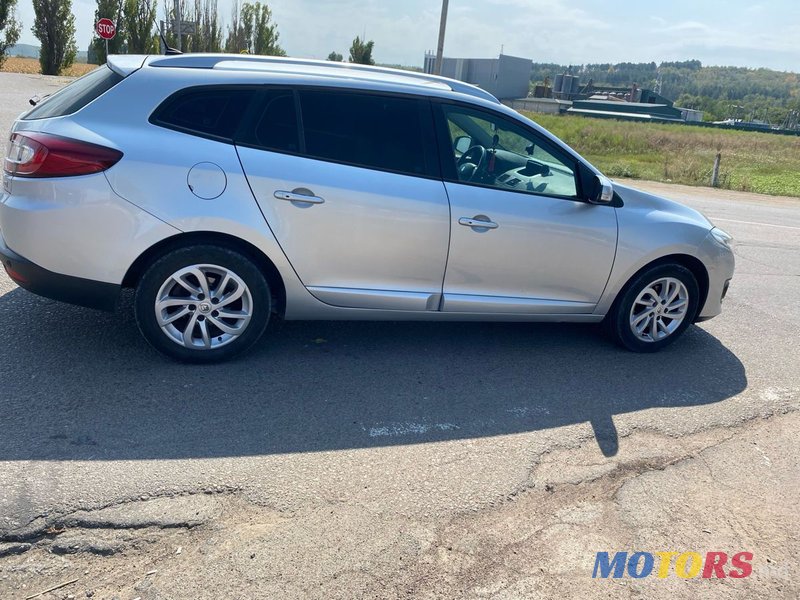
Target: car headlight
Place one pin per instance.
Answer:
(722, 237)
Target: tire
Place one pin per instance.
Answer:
(181, 321)
(641, 321)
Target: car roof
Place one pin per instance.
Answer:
(422, 83)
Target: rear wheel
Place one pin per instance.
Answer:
(655, 308)
(202, 304)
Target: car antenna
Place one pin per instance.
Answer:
(168, 50)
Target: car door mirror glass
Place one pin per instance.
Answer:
(462, 144)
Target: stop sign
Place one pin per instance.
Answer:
(106, 29)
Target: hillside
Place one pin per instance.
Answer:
(24, 50)
(722, 92)
(30, 51)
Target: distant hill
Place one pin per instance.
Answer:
(30, 51)
(24, 50)
(721, 92)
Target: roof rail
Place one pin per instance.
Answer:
(209, 61)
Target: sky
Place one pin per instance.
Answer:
(732, 32)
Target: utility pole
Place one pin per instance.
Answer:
(437, 70)
(178, 23)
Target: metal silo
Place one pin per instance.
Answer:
(557, 84)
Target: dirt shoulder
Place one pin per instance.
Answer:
(681, 192)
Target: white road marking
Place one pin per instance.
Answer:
(714, 219)
(406, 428)
(522, 411)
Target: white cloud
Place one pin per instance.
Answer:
(688, 27)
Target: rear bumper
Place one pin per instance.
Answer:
(77, 226)
(40, 281)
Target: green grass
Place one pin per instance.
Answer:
(752, 162)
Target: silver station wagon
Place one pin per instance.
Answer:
(226, 189)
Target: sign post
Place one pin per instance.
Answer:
(106, 29)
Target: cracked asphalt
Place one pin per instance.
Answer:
(405, 460)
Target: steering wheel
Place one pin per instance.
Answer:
(470, 163)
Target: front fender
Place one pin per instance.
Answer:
(651, 228)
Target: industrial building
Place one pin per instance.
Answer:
(632, 111)
(568, 95)
(508, 79)
(504, 77)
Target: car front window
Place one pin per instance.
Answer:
(503, 155)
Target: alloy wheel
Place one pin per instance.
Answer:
(659, 309)
(201, 307)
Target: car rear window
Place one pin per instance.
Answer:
(369, 130)
(207, 111)
(275, 126)
(76, 95)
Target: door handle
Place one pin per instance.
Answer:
(478, 222)
(299, 195)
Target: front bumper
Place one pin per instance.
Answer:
(75, 290)
(720, 263)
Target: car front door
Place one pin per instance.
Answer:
(522, 239)
(353, 193)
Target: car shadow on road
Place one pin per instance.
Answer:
(76, 384)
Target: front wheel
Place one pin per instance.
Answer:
(655, 308)
(202, 304)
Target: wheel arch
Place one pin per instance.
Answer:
(265, 265)
(692, 263)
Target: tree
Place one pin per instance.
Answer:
(265, 35)
(253, 31)
(361, 52)
(54, 27)
(108, 9)
(335, 57)
(137, 20)
(9, 27)
(208, 36)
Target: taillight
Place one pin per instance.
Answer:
(35, 154)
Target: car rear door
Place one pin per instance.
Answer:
(349, 183)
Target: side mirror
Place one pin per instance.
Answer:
(597, 188)
(606, 190)
(462, 144)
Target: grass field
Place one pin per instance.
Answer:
(17, 64)
(753, 162)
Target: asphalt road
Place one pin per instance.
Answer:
(403, 459)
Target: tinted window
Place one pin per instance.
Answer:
(382, 132)
(210, 111)
(76, 95)
(275, 125)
